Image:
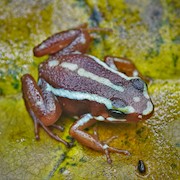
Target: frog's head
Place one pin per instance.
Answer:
(135, 103)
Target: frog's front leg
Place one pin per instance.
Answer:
(125, 66)
(90, 141)
(42, 105)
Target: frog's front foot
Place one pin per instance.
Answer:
(92, 141)
(108, 149)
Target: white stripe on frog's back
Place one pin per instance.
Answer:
(83, 73)
(53, 63)
(109, 68)
(75, 95)
(70, 66)
(135, 74)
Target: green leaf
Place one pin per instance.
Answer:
(154, 50)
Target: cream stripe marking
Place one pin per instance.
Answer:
(122, 60)
(136, 99)
(109, 68)
(112, 66)
(145, 93)
(135, 73)
(86, 96)
(126, 109)
(148, 109)
(101, 80)
(84, 120)
(105, 146)
(79, 96)
(99, 118)
(42, 46)
(82, 72)
(70, 66)
(53, 63)
(113, 119)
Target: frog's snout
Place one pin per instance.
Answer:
(147, 113)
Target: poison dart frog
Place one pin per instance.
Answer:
(82, 86)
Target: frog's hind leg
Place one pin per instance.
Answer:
(42, 105)
(70, 41)
(125, 66)
(56, 42)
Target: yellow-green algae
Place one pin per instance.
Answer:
(146, 32)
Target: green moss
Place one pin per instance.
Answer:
(176, 40)
(175, 59)
(155, 51)
(83, 160)
(81, 3)
(140, 131)
(62, 170)
(18, 36)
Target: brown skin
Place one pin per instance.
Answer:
(45, 108)
(125, 66)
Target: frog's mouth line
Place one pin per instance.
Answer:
(134, 117)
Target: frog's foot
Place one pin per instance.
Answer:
(96, 136)
(38, 123)
(108, 149)
(92, 141)
(42, 106)
(57, 127)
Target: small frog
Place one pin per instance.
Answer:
(82, 86)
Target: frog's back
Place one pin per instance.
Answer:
(82, 73)
(84, 77)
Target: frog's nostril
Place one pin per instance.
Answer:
(138, 84)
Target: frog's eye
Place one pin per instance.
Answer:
(138, 84)
(117, 114)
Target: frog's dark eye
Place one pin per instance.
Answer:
(138, 84)
(117, 114)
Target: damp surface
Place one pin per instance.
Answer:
(145, 32)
